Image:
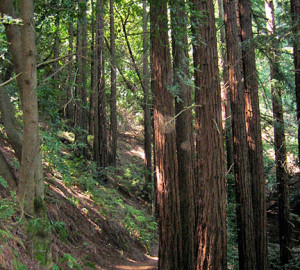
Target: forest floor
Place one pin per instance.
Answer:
(90, 230)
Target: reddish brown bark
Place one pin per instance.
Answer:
(253, 129)
(226, 95)
(184, 130)
(210, 178)
(165, 141)
(247, 254)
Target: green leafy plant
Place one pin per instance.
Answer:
(72, 262)
(8, 206)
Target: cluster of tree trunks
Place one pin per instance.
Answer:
(190, 178)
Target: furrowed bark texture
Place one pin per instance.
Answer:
(253, 129)
(165, 141)
(210, 178)
(184, 130)
(247, 254)
(226, 91)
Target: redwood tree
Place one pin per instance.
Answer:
(226, 93)
(279, 144)
(210, 196)
(165, 141)
(253, 129)
(100, 133)
(247, 254)
(184, 128)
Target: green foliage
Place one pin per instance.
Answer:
(38, 230)
(47, 100)
(16, 261)
(52, 149)
(8, 206)
(3, 183)
(232, 245)
(59, 227)
(72, 262)
(140, 226)
(275, 259)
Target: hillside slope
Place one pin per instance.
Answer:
(95, 223)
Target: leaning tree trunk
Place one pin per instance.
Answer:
(247, 254)
(279, 144)
(113, 93)
(165, 141)
(210, 177)
(253, 129)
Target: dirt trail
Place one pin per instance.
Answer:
(150, 263)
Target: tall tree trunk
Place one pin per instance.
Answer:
(170, 253)
(295, 14)
(31, 182)
(246, 245)
(147, 102)
(81, 110)
(253, 129)
(184, 129)
(226, 91)
(113, 94)
(100, 137)
(279, 144)
(210, 178)
(70, 94)
(93, 73)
